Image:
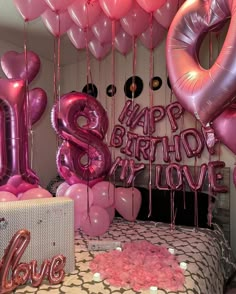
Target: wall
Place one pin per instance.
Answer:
(106, 72)
(42, 145)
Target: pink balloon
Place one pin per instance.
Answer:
(151, 38)
(165, 14)
(195, 87)
(102, 29)
(24, 186)
(6, 192)
(35, 193)
(84, 13)
(103, 194)
(30, 9)
(18, 66)
(128, 202)
(116, 9)
(99, 50)
(61, 189)
(79, 37)
(58, 5)
(37, 104)
(224, 127)
(81, 141)
(150, 5)
(123, 42)
(96, 222)
(57, 23)
(136, 21)
(111, 212)
(14, 159)
(82, 196)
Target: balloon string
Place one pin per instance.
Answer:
(172, 209)
(113, 80)
(196, 209)
(28, 113)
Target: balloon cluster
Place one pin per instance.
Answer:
(96, 24)
(94, 208)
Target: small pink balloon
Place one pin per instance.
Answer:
(57, 23)
(115, 9)
(30, 9)
(123, 42)
(15, 180)
(79, 37)
(96, 222)
(8, 188)
(7, 196)
(128, 202)
(99, 50)
(35, 193)
(82, 196)
(61, 189)
(37, 104)
(103, 194)
(150, 5)
(24, 186)
(84, 13)
(136, 21)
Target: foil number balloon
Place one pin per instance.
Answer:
(82, 123)
(203, 92)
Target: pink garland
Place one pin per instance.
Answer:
(140, 265)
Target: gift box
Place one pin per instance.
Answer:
(50, 222)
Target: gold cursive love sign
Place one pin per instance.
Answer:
(13, 273)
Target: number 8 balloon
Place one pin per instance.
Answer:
(83, 157)
(203, 92)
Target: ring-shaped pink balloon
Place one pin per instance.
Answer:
(203, 92)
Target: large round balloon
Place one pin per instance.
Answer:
(203, 92)
(82, 122)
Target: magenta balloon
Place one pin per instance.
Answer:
(103, 194)
(18, 66)
(99, 50)
(116, 9)
(224, 127)
(150, 5)
(128, 202)
(37, 104)
(102, 29)
(96, 222)
(85, 13)
(193, 86)
(57, 23)
(123, 42)
(136, 21)
(151, 38)
(165, 14)
(35, 193)
(6, 196)
(30, 9)
(82, 196)
(8, 188)
(61, 189)
(81, 140)
(79, 37)
(14, 158)
(58, 5)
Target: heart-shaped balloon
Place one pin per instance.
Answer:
(203, 92)
(37, 104)
(30, 9)
(224, 127)
(128, 202)
(20, 65)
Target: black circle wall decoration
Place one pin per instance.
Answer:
(111, 90)
(133, 87)
(155, 83)
(91, 90)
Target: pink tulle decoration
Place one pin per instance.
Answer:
(140, 265)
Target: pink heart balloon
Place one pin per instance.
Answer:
(224, 127)
(128, 202)
(18, 66)
(37, 104)
(30, 9)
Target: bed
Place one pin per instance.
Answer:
(204, 251)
